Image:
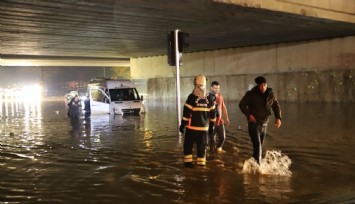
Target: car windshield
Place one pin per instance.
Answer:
(125, 94)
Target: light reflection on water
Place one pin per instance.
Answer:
(46, 157)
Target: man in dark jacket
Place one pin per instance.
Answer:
(256, 105)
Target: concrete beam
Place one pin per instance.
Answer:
(28, 60)
(339, 10)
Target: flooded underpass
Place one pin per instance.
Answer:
(46, 157)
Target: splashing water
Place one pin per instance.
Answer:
(274, 163)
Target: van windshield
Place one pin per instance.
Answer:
(125, 94)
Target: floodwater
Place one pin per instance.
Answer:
(47, 158)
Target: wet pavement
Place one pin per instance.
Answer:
(46, 157)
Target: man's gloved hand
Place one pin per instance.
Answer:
(182, 126)
(211, 129)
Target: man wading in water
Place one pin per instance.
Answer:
(221, 110)
(199, 117)
(256, 106)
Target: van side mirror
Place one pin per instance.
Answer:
(141, 97)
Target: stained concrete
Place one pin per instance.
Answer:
(318, 71)
(327, 9)
(311, 86)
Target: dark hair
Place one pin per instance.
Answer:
(259, 80)
(215, 83)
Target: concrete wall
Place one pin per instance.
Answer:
(320, 71)
(340, 10)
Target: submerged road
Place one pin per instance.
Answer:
(46, 157)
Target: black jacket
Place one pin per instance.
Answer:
(199, 113)
(259, 104)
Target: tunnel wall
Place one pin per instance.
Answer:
(317, 71)
(341, 10)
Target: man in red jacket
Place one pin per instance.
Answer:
(221, 110)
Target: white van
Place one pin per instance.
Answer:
(114, 97)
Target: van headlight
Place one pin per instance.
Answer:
(142, 109)
(117, 111)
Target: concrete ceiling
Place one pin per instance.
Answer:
(115, 29)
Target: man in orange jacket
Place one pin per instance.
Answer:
(221, 110)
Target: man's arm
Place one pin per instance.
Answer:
(225, 112)
(186, 114)
(276, 108)
(212, 118)
(243, 105)
(277, 113)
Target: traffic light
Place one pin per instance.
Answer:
(183, 41)
(171, 48)
(182, 44)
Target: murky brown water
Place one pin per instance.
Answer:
(51, 159)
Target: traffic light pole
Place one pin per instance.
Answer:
(177, 60)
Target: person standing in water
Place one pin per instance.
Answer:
(221, 110)
(75, 107)
(199, 117)
(256, 105)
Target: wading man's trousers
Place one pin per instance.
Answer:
(192, 137)
(221, 135)
(257, 133)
